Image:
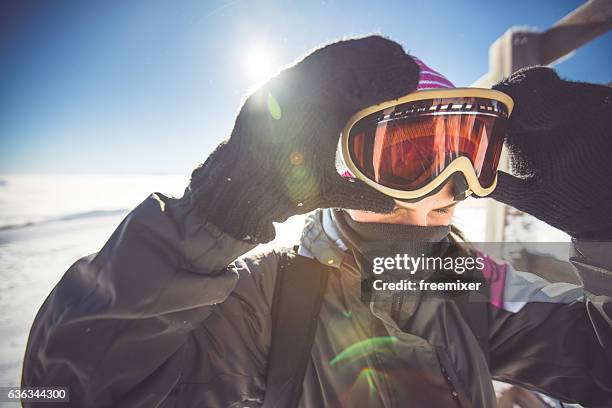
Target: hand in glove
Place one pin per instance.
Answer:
(280, 158)
(560, 143)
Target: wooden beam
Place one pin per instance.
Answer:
(582, 25)
(520, 47)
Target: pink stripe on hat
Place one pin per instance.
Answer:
(429, 78)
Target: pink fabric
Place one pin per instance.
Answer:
(429, 78)
(495, 275)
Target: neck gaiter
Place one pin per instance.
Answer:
(369, 240)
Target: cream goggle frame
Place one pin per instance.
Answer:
(408, 147)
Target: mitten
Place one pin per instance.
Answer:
(560, 142)
(280, 158)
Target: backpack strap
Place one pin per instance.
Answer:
(474, 307)
(298, 295)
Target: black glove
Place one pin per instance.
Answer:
(280, 158)
(560, 143)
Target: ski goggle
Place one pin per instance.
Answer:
(407, 148)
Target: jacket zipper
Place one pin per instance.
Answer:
(451, 386)
(396, 306)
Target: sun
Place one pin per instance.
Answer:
(258, 63)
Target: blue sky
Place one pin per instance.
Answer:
(153, 86)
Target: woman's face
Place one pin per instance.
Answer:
(434, 210)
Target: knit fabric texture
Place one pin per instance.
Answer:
(428, 79)
(560, 142)
(279, 159)
(378, 231)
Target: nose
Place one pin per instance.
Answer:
(416, 216)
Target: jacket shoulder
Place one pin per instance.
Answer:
(259, 269)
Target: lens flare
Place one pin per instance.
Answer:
(369, 375)
(273, 107)
(362, 349)
(300, 183)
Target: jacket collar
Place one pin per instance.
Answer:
(321, 240)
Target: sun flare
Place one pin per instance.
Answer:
(258, 63)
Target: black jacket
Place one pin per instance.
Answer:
(169, 314)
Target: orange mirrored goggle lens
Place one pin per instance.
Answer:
(406, 146)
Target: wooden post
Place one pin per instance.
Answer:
(579, 27)
(518, 48)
